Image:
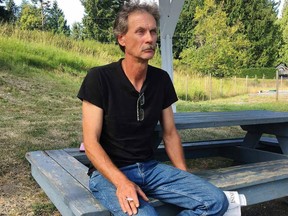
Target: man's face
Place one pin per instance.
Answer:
(140, 39)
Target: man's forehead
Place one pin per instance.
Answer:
(136, 18)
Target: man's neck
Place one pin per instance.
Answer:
(136, 72)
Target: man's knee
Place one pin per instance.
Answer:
(220, 205)
(146, 209)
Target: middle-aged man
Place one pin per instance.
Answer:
(122, 103)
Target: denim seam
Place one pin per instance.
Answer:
(185, 194)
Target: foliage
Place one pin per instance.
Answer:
(185, 26)
(44, 9)
(267, 73)
(42, 16)
(30, 17)
(77, 31)
(98, 19)
(283, 22)
(8, 12)
(56, 22)
(218, 49)
(259, 20)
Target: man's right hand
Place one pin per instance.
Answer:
(127, 193)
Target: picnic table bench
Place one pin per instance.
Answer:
(262, 176)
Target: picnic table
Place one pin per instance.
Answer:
(262, 175)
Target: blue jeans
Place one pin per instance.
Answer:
(166, 183)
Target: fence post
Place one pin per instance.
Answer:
(247, 84)
(235, 87)
(210, 90)
(186, 87)
(221, 87)
(277, 85)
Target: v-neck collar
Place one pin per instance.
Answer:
(126, 82)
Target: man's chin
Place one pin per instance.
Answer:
(148, 56)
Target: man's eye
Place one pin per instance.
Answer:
(153, 32)
(140, 31)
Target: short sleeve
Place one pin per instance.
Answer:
(91, 89)
(170, 93)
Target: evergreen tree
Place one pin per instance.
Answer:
(99, 17)
(76, 31)
(185, 26)
(12, 11)
(283, 22)
(56, 21)
(217, 48)
(258, 18)
(4, 14)
(44, 9)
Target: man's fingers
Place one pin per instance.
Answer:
(122, 203)
(133, 205)
(142, 194)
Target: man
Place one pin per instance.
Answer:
(122, 103)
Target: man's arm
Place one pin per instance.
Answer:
(172, 141)
(92, 119)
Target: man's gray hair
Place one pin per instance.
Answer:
(121, 21)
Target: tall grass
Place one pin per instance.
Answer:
(58, 52)
(202, 88)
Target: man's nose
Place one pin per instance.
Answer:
(149, 37)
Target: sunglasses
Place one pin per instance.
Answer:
(140, 110)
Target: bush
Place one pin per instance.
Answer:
(267, 73)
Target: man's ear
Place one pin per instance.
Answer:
(121, 40)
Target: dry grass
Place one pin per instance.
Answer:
(36, 113)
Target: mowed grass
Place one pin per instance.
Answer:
(39, 110)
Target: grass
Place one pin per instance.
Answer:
(39, 81)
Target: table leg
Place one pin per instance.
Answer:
(283, 142)
(251, 139)
(254, 132)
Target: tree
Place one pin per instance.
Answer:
(30, 17)
(12, 11)
(56, 22)
(283, 22)
(4, 14)
(44, 8)
(99, 17)
(76, 31)
(185, 26)
(258, 18)
(217, 48)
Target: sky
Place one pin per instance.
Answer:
(74, 10)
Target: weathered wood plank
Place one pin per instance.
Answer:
(67, 194)
(247, 155)
(71, 166)
(259, 182)
(189, 120)
(235, 177)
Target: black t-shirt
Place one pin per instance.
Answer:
(125, 139)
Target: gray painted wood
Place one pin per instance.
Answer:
(190, 120)
(68, 195)
(259, 182)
